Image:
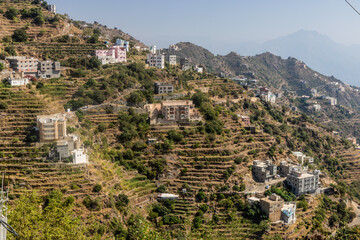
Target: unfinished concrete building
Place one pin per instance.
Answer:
(163, 88)
(172, 111)
(263, 171)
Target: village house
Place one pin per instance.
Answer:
(115, 54)
(156, 60)
(185, 64)
(122, 43)
(303, 182)
(267, 95)
(302, 158)
(352, 140)
(52, 8)
(152, 49)
(171, 59)
(163, 88)
(246, 120)
(172, 111)
(35, 68)
(51, 127)
(286, 168)
(18, 81)
(316, 107)
(277, 210)
(263, 171)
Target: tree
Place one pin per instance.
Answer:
(55, 220)
(10, 50)
(39, 20)
(20, 35)
(136, 97)
(1, 67)
(11, 13)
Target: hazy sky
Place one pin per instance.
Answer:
(218, 25)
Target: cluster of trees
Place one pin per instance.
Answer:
(164, 210)
(51, 217)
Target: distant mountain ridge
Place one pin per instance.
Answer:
(319, 51)
(281, 74)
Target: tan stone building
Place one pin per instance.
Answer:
(272, 206)
(51, 127)
(172, 111)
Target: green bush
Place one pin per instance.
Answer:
(20, 35)
(97, 188)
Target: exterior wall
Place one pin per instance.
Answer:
(52, 8)
(18, 82)
(156, 60)
(263, 172)
(115, 54)
(272, 209)
(172, 59)
(185, 64)
(161, 88)
(302, 184)
(22, 64)
(51, 128)
(34, 67)
(123, 43)
(245, 120)
(79, 156)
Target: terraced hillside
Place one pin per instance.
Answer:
(23, 162)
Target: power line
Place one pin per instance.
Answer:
(352, 7)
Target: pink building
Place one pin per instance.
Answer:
(114, 54)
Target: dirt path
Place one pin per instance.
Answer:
(356, 220)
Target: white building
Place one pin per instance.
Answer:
(317, 107)
(152, 49)
(288, 213)
(302, 158)
(79, 156)
(172, 59)
(18, 81)
(199, 69)
(123, 43)
(52, 8)
(332, 101)
(302, 183)
(156, 60)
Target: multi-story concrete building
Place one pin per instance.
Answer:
(123, 43)
(332, 101)
(185, 64)
(28, 66)
(317, 107)
(277, 210)
(52, 8)
(156, 60)
(286, 168)
(152, 49)
(171, 59)
(35, 68)
(66, 146)
(288, 213)
(263, 171)
(172, 111)
(272, 206)
(163, 88)
(302, 183)
(302, 158)
(51, 127)
(18, 81)
(49, 69)
(115, 54)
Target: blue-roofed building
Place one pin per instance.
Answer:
(288, 213)
(123, 43)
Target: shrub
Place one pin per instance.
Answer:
(20, 35)
(11, 13)
(97, 188)
(92, 204)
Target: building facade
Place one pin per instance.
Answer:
(272, 206)
(123, 43)
(172, 59)
(302, 183)
(35, 68)
(79, 156)
(52, 8)
(163, 88)
(263, 171)
(18, 81)
(156, 60)
(185, 64)
(51, 127)
(115, 54)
